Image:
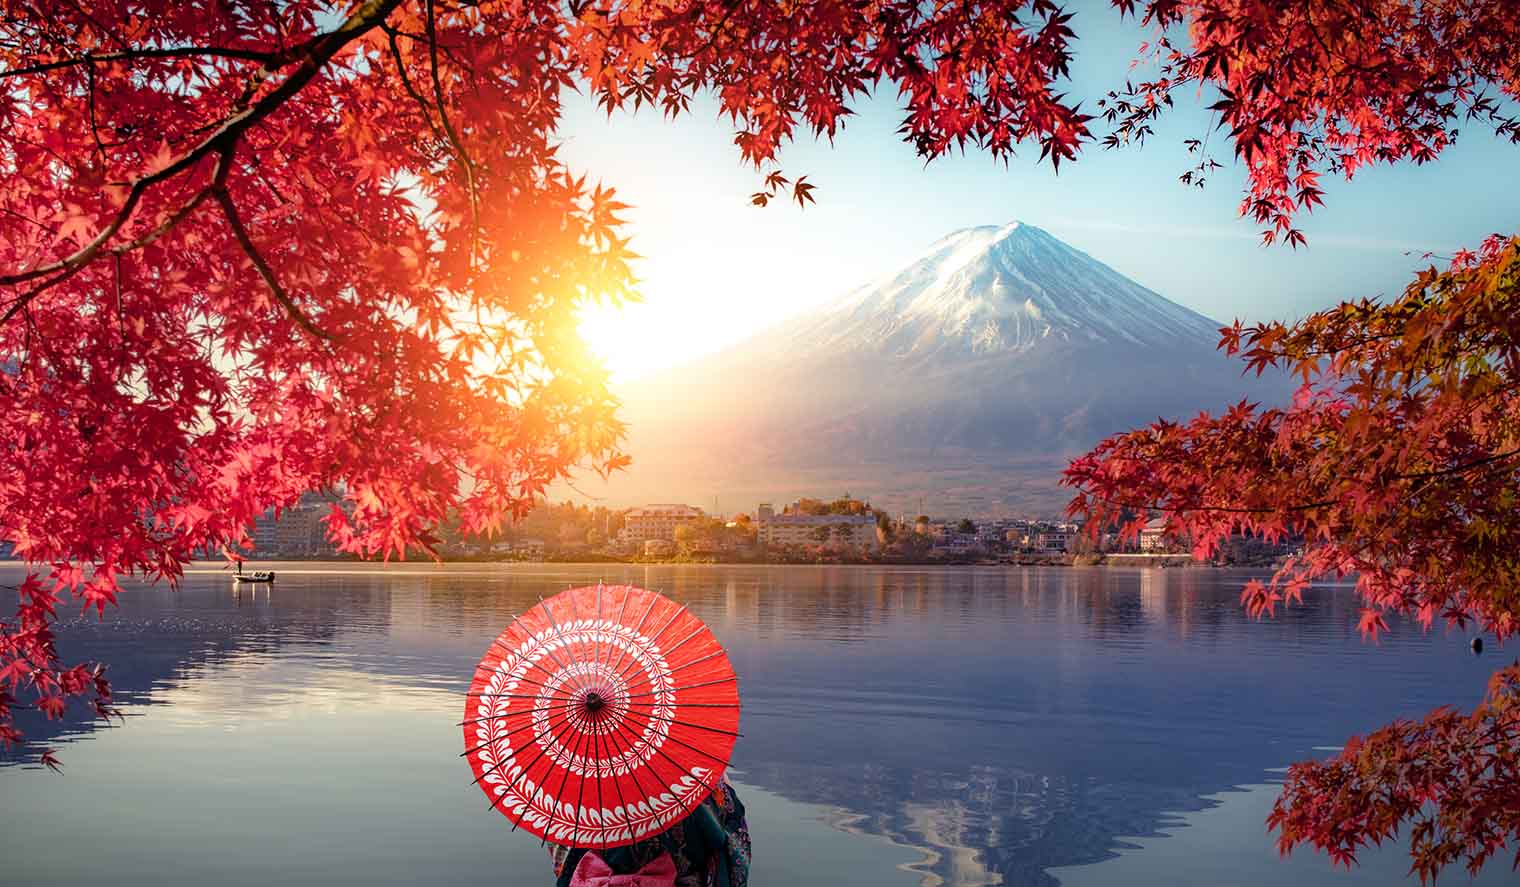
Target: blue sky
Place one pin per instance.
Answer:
(717, 269)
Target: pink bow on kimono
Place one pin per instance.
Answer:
(593, 871)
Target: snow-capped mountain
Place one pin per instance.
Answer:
(988, 290)
(964, 380)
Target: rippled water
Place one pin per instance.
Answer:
(908, 726)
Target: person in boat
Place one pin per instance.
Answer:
(709, 848)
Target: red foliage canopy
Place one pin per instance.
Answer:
(1309, 87)
(1452, 773)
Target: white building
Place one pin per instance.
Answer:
(658, 548)
(1055, 540)
(1153, 537)
(956, 543)
(299, 531)
(657, 522)
(844, 530)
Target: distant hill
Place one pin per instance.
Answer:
(965, 380)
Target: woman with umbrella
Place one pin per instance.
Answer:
(602, 721)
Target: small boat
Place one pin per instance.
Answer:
(255, 576)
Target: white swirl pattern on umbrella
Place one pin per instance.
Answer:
(533, 804)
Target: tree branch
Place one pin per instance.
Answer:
(443, 117)
(171, 52)
(218, 176)
(229, 209)
(406, 84)
(317, 54)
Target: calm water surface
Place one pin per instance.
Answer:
(1083, 727)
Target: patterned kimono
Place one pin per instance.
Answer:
(710, 847)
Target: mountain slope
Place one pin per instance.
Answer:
(988, 290)
(964, 380)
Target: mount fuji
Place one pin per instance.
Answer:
(959, 384)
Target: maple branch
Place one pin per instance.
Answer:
(318, 53)
(229, 209)
(121, 325)
(135, 54)
(94, 124)
(84, 13)
(443, 117)
(1461, 468)
(714, 31)
(406, 83)
(1355, 66)
(173, 219)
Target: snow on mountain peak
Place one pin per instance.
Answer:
(992, 289)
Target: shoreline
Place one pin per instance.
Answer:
(1166, 561)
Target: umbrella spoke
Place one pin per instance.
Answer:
(573, 703)
(581, 799)
(601, 760)
(522, 713)
(622, 654)
(623, 675)
(596, 643)
(578, 684)
(563, 781)
(687, 687)
(603, 635)
(721, 762)
(690, 662)
(628, 670)
(491, 669)
(676, 721)
(683, 770)
(639, 679)
(679, 705)
(551, 724)
(485, 695)
(677, 766)
(673, 617)
(543, 750)
(700, 629)
(494, 768)
(622, 611)
(633, 773)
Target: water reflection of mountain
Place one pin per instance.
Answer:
(985, 825)
(1008, 722)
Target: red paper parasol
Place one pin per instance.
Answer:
(601, 716)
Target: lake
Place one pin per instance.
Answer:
(917, 726)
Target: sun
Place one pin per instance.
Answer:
(640, 338)
(676, 320)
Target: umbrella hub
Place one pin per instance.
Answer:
(595, 702)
